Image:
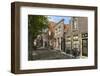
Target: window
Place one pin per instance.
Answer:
(75, 24)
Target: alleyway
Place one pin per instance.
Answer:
(45, 54)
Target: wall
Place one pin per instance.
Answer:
(5, 36)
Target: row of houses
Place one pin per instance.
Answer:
(66, 37)
(71, 36)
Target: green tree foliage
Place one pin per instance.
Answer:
(36, 23)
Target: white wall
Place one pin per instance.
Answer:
(5, 42)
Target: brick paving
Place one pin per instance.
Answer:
(45, 54)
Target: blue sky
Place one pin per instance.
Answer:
(58, 18)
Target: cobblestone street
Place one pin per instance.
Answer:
(45, 54)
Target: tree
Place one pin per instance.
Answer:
(36, 24)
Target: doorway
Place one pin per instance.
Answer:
(84, 47)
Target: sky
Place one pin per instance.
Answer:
(58, 18)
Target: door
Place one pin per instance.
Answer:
(84, 47)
